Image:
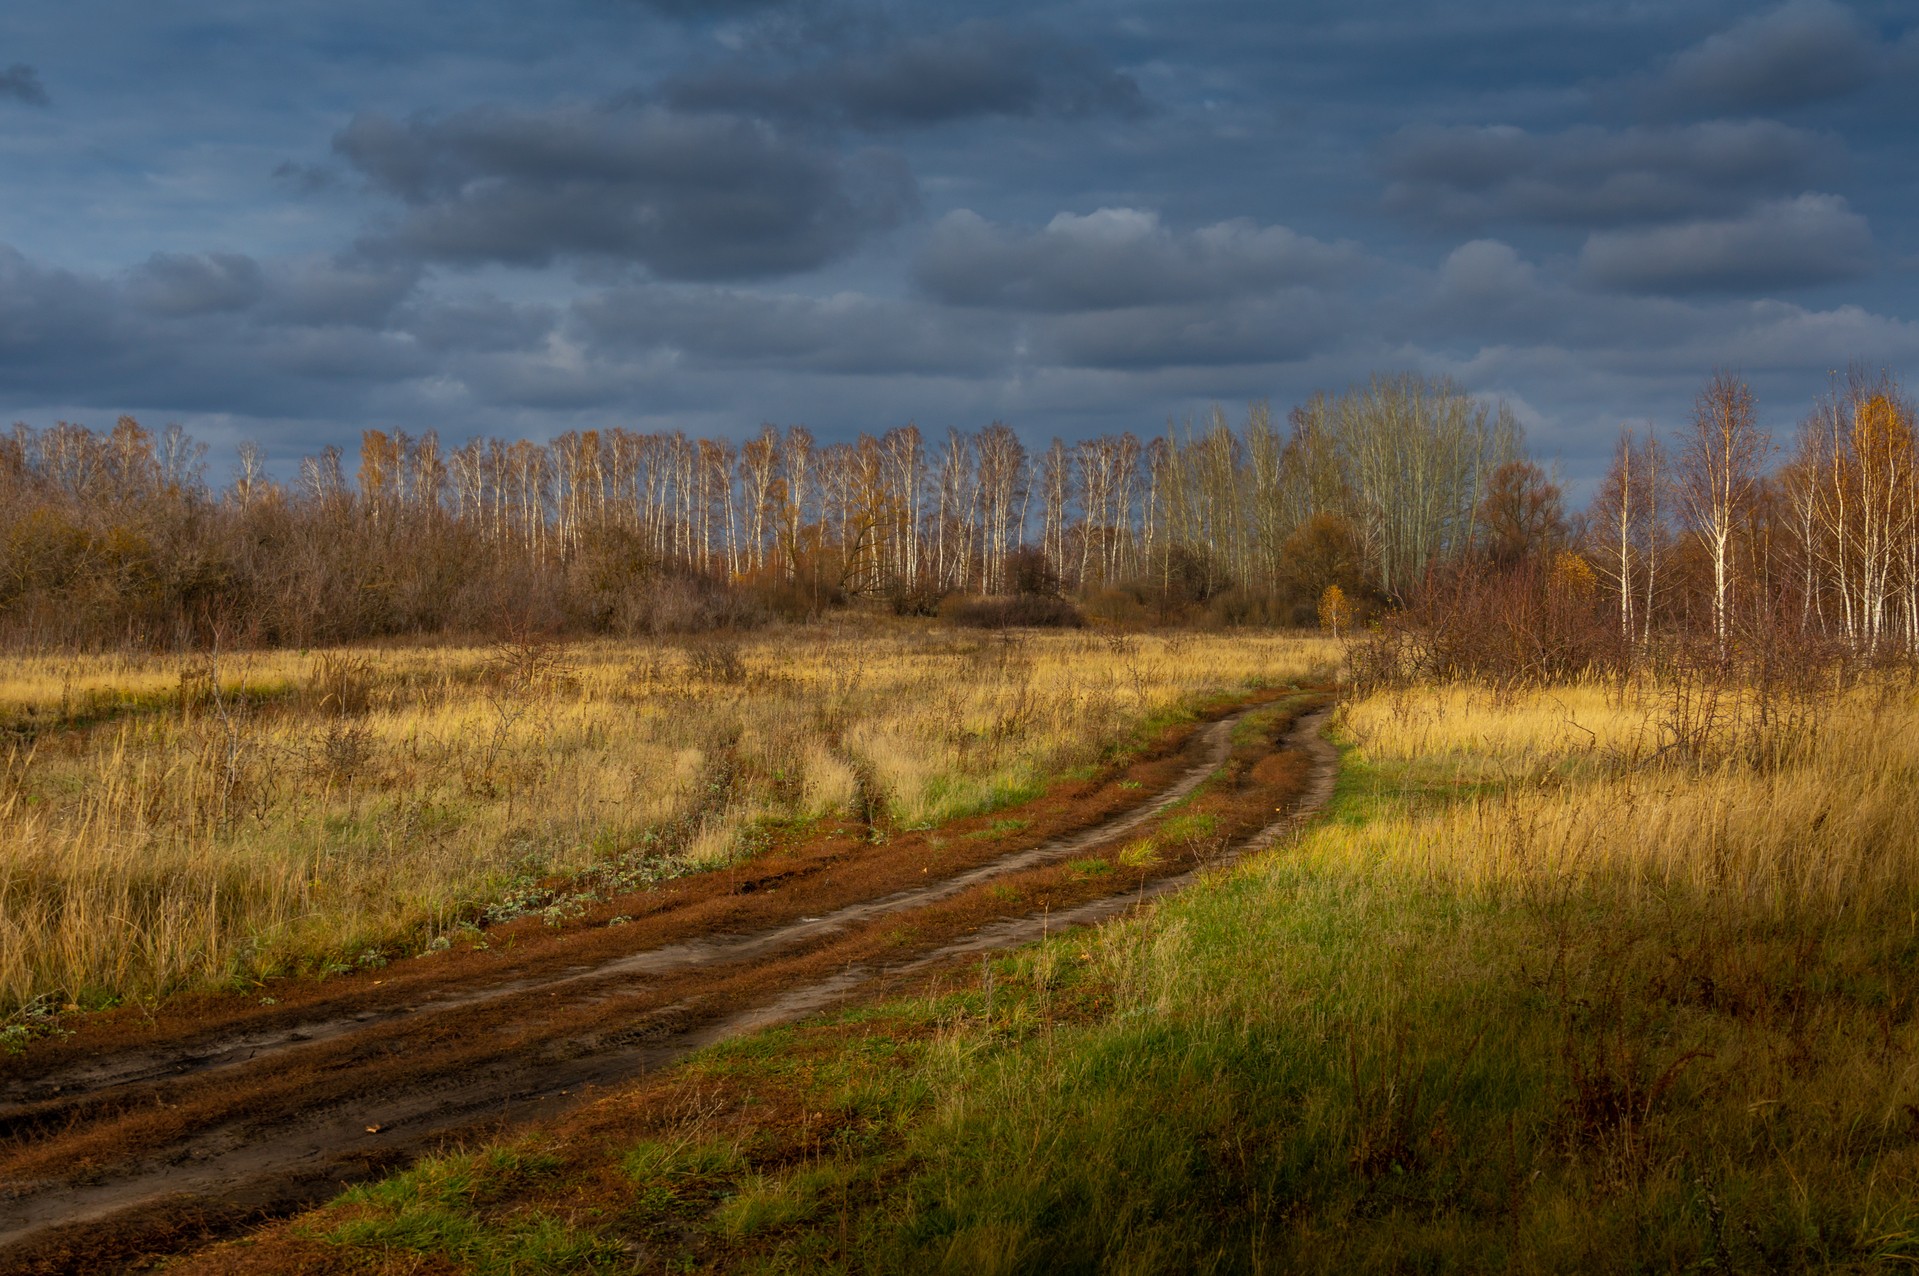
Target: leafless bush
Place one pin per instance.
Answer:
(1025, 611)
(1533, 624)
(342, 751)
(716, 662)
(341, 684)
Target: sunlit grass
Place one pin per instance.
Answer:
(171, 821)
(1541, 995)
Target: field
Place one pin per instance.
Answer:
(170, 823)
(1605, 977)
(1602, 979)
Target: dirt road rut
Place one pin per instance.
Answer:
(191, 1130)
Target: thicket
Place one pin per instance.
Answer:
(1705, 562)
(116, 538)
(1403, 499)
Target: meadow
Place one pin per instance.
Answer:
(1608, 977)
(170, 822)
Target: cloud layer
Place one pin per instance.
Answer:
(688, 195)
(1813, 239)
(302, 220)
(21, 83)
(980, 68)
(1590, 176)
(1803, 52)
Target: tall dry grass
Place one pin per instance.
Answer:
(1581, 980)
(1818, 815)
(166, 822)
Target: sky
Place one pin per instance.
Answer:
(289, 222)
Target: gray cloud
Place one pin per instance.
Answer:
(208, 332)
(337, 291)
(1802, 52)
(1592, 176)
(847, 334)
(311, 291)
(1283, 327)
(1117, 258)
(707, 10)
(307, 179)
(979, 68)
(196, 283)
(22, 83)
(50, 317)
(484, 325)
(688, 195)
(1780, 244)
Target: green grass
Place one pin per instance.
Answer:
(997, 829)
(460, 1207)
(1328, 1060)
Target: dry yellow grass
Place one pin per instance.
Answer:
(167, 822)
(1541, 995)
(1601, 979)
(1825, 814)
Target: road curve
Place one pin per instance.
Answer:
(184, 1140)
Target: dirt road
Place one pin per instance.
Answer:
(146, 1134)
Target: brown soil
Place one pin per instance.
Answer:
(152, 1131)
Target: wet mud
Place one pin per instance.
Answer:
(146, 1137)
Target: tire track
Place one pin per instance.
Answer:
(256, 1123)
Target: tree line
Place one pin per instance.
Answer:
(1718, 545)
(1357, 502)
(117, 535)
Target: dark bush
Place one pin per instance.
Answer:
(1032, 572)
(1023, 611)
(1536, 623)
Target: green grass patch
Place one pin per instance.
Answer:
(1190, 827)
(1346, 1056)
(461, 1207)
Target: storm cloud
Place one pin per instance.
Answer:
(1115, 258)
(687, 195)
(1813, 239)
(21, 83)
(848, 333)
(1802, 52)
(706, 214)
(1589, 176)
(977, 69)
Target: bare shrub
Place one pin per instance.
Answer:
(342, 751)
(1026, 611)
(716, 662)
(341, 684)
(1535, 624)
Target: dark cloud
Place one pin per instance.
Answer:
(688, 195)
(1802, 52)
(707, 10)
(337, 291)
(21, 83)
(485, 325)
(845, 334)
(977, 69)
(316, 291)
(217, 332)
(198, 283)
(1280, 328)
(1465, 176)
(49, 317)
(307, 179)
(1116, 258)
(1780, 244)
